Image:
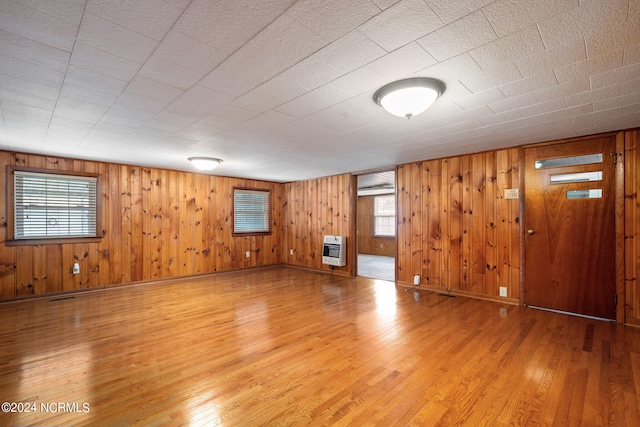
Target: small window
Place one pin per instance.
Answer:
(384, 212)
(251, 211)
(54, 206)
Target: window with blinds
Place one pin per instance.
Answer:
(54, 206)
(250, 211)
(384, 213)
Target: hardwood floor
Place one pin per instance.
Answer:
(284, 346)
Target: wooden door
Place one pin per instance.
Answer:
(569, 227)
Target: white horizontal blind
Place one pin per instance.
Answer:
(251, 211)
(53, 206)
(384, 215)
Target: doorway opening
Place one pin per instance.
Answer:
(377, 225)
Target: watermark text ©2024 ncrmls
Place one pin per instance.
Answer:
(46, 407)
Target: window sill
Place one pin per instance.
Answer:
(53, 241)
(251, 233)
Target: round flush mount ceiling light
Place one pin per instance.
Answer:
(409, 97)
(204, 163)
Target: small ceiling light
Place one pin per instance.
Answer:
(205, 163)
(409, 97)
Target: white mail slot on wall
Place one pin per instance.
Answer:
(334, 251)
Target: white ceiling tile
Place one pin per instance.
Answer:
(25, 71)
(80, 93)
(69, 126)
(316, 100)
(569, 112)
(350, 52)
(402, 62)
(233, 113)
(529, 84)
(266, 121)
(614, 102)
(550, 58)
(151, 18)
(103, 63)
(141, 102)
(509, 48)
(20, 86)
(509, 16)
(490, 76)
(33, 52)
(498, 118)
(480, 98)
(153, 89)
(621, 35)
(359, 81)
(452, 10)
(190, 109)
(512, 103)
(111, 38)
(331, 19)
(615, 76)
(228, 26)
(562, 90)
(42, 27)
(127, 115)
(311, 73)
(210, 98)
(592, 17)
(545, 108)
(278, 47)
(592, 96)
(26, 99)
(169, 73)
(460, 36)
(79, 110)
(271, 94)
(36, 117)
(97, 83)
(589, 67)
(192, 54)
(401, 23)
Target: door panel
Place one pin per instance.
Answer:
(570, 227)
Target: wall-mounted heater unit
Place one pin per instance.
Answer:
(334, 251)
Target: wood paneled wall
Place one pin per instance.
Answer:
(157, 224)
(632, 226)
(313, 209)
(455, 229)
(368, 242)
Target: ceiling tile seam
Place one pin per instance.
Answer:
(124, 89)
(53, 111)
(256, 34)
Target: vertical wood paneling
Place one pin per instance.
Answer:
(632, 226)
(156, 224)
(329, 198)
(7, 254)
(455, 223)
(455, 205)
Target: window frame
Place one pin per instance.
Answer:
(12, 241)
(376, 216)
(267, 232)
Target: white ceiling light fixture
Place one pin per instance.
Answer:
(204, 163)
(409, 97)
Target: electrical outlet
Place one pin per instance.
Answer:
(503, 291)
(248, 254)
(290, 251)
(76, 268)
(416, 279)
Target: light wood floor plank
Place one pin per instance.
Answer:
(283, 346)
